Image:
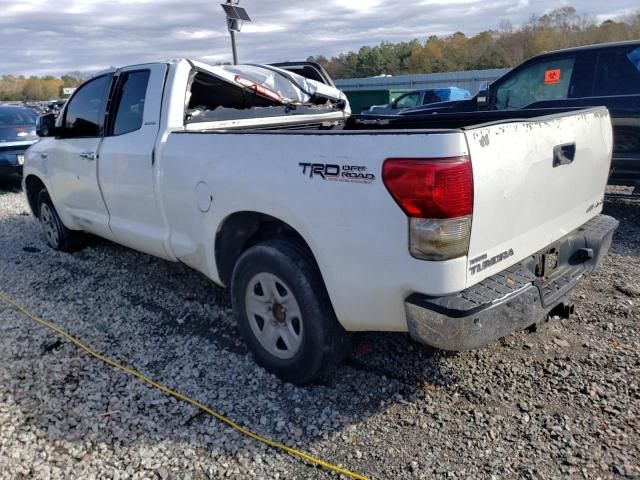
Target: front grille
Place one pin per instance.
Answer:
(11, 152)
(13, 149)
(10, 155)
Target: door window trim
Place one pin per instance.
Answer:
(114, 100)
(103, 112)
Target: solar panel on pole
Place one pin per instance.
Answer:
(235, 16)
(242, 13)
(235, 13)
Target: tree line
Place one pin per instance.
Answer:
(505, 46)
(36, 88)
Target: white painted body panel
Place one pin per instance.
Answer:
(75, 181)
(356, 231)
(521, 201)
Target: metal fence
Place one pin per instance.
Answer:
(469, 80)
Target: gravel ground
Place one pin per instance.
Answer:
(559, 403)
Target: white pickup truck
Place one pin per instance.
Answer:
(322, 223)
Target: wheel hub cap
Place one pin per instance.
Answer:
(279, 312)
(274, 315)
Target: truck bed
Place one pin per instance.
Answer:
(449, 120)
(440, 121)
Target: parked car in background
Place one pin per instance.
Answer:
(596, 75)
(417, 98)
(17, 133)
(54, 106)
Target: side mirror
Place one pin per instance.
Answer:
(483, 96)
(46, 125)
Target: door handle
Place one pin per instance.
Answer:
(564, 154)
(88, 155)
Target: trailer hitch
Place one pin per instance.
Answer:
(561, 311)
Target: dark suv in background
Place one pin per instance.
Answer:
(17, 133)
(606, 74)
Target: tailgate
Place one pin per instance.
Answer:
(535, 181)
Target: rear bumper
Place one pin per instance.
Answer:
(512, 299)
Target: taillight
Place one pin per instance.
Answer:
(437, 196)
(430, 188)
(259, 88)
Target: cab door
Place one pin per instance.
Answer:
(72, 160)
(127, 159)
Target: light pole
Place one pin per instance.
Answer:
(234, 49)
(236, 16)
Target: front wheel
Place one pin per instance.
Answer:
(58, 236)
(284, 314)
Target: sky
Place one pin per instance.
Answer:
(39, 37)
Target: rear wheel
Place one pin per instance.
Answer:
(284, 313)
(58, 236)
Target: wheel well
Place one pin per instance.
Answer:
(33, 186)
(243, 230)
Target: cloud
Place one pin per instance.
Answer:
(196, 34)
(263, 28)
(53, 37)
(357, 5)
(518, 6)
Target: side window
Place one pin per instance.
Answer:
(130, 104)
(618, 72)
(547, 79)
(430, 97)
(408, 100)
(84, 116)
(583, 74)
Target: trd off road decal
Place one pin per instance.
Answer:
(337, 173)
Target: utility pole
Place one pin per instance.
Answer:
(233, 46)
(235, 17)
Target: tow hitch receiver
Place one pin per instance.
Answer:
(562, 311)
(546, 262)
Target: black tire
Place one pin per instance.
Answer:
(322, 344)
(57, 235)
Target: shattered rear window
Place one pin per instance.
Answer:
(272, 80)
(212, 98)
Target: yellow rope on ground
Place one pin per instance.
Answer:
(178, 395)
